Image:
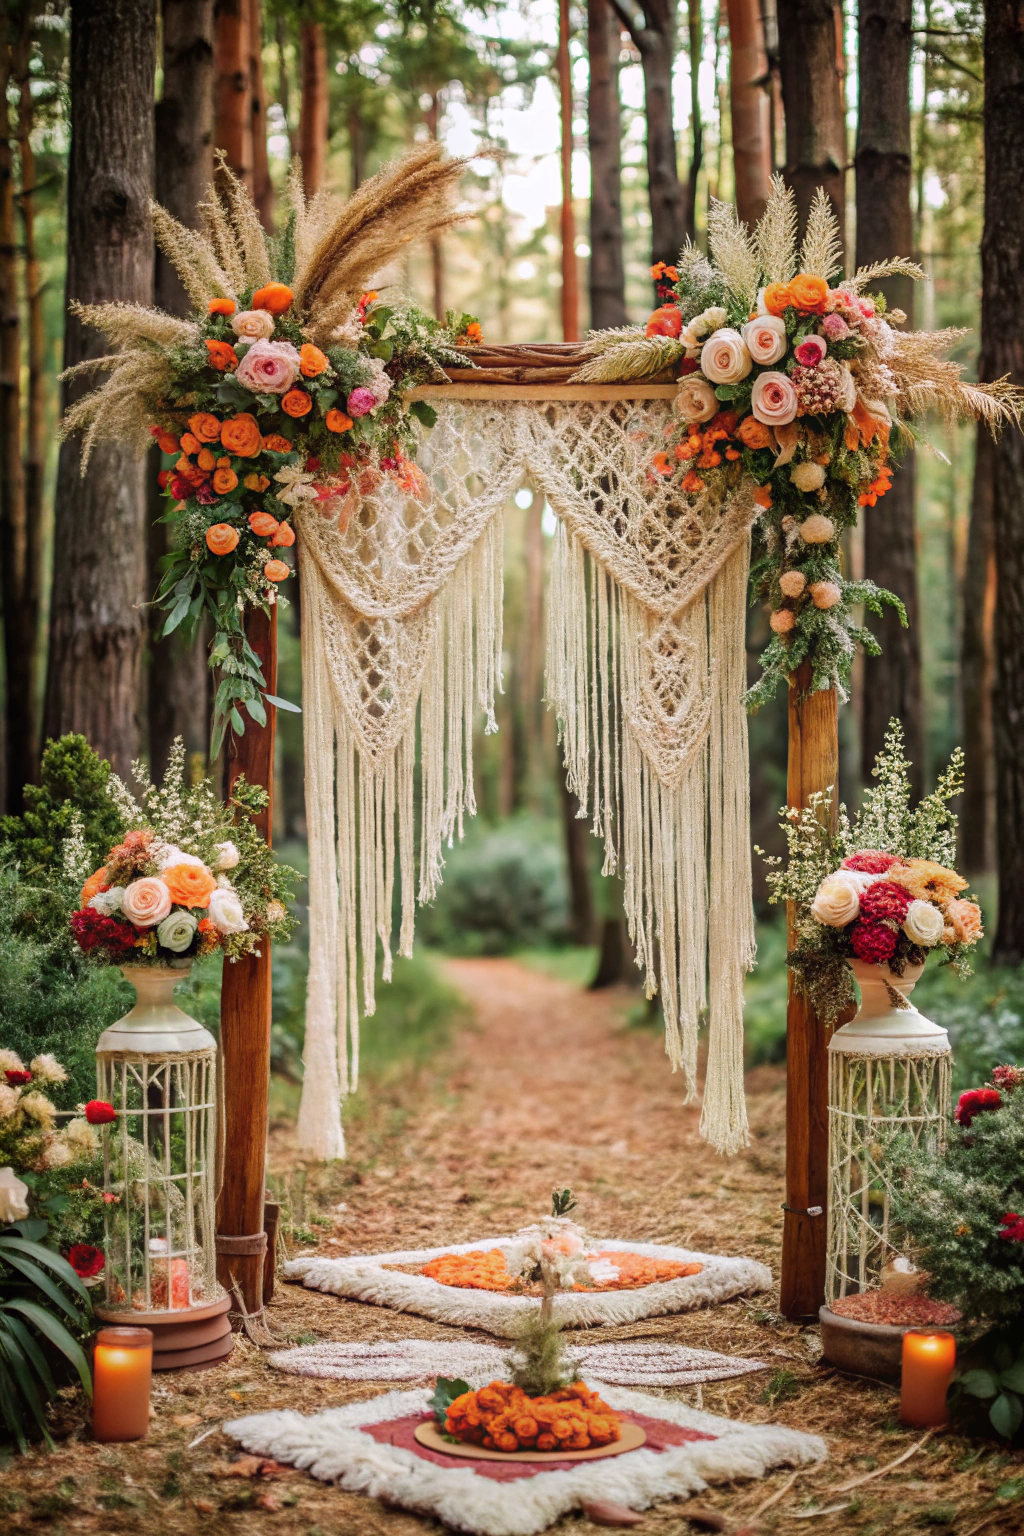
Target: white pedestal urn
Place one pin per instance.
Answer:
(157, 1068)
(889, 1074)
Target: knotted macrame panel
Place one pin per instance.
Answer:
(401, 622)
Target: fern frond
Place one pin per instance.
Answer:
(734, 255)
(898, 266)
(639, 358)
(775, 234)
(822, 253)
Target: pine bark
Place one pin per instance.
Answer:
(885, 227)
(811, 65)
(313, 125)
(12, 487)
(977, 667)
(655, 41)
(184, 170)
(604, 131)
(750, 109)
(233, 88)
(1002, 345)
(99, 575)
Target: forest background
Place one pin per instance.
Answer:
(597, 137)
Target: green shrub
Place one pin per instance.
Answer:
(504, 889)
(73, 786)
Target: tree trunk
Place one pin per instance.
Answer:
(750, 109)
(1002, 347)
(977, 668)
(577, 858)
(99, 574)
(357, 151)
(436, 246)
(284, 91)
(812, 70)
(655, 42)
(885, 227)
(570, 278)
(262, 188)
(184, 169)
(233, 91)
(616, 959)
(604, 132)
(313, 112)
(13, 531)
(695, 38)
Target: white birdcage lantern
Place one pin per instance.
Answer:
(890, 1072)
(157, 1068)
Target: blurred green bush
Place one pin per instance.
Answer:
(504, 889)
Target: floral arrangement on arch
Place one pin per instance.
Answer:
(284, 388)
(190, 876)
(881, 889)
(803, 385)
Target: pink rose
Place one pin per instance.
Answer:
(766, 339)
(146, 902)
(773, 399)
(360, 401)
(269, 367)
(810, 351)
(835, 328)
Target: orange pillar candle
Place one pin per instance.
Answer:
(928, 1361)
(122, 1369)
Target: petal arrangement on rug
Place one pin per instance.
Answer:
(370, 1448)
(377, 1278)
(644, 1363)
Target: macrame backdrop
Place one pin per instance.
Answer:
(646, 668)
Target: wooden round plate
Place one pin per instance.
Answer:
(430, 1436)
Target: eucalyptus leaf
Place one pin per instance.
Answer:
(1006, 1414)
(279, 703)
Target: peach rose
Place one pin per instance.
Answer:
(262, 524)
(268, 368)
(695, 399)
(221, 539)
(190, 885)
(766, 339)
(337, 421)
(146, 902)
(224, 480)
(964, 917)
(773, 399)
(296, 403)
(253, 325)
(284, 536)
(277, 297)
(725, 359)
(241, 436)
(311, 361)
(204, 427)
(776, 298)
(753, 433)
(276, 570)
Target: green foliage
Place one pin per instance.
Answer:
(562, 1202)
(73, 784)
(40, 1296)
(999, 1384)
(504, 889)
(446, 1390)
(538, 1363)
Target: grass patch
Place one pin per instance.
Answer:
(573, 963)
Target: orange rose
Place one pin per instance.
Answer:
(666, 321)
(256, 483)
(763, 496)
(205, 427)
(221, 539)
(753, 433)
(96, 882)
(206, 460)
(241, 435)
(284, 538)
(190, 885)
(277, 444)
(262, 524)
(276, 297)
(296, 403)
(189, 444)
(222, 355)
(692, 483)
(276, 570)
(807, 293)
(337, 421)
(224, 480)
(777, 298)
(221, 307)
(311, 361)
(168, 443)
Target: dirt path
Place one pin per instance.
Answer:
(548, 1087)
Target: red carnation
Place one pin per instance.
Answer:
(872, 942)
(99, 1112)
(18, 1077)
(870, 862)
(884, 900)
(94, 931)
(973, 1102)
(1012, 1227)
(86, 1260)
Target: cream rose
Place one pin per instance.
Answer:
(725, 359)
(172, 856)
(227, 857)
(808, 477)
(253, 325)
(766, 339)
(269, 367)
(695, 399)
(714, 318)
(837, 902)
(146, 902)
(177, 932)
(923, 924)
(773, 399)
(226, 913)
(13, 1196)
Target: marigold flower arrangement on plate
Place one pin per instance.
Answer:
(283, 389)
(795, 387)
(190, 875)
(881, 888)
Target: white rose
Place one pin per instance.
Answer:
(227, 857)
(13, 1196)
(695, 399)
(837, 902)
(808, 477)
(766, 339)
(48, 1069)
(689, 338)
(923, 924)
(715, 317)
(171, 856)
(253, 325)
(725, 359)
(698, 326)
(226, 912)
(177, 932)
(106, 903)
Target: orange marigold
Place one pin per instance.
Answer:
(777, 298)
(221, 307)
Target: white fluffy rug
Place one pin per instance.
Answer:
(629, 1364)
(333, 1447)
(365, 1278)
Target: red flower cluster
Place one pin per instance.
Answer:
(94, 931)
(973, 1102)
(869, 862)
(99, 1112)
(17, 1078)
(1008, 1078)
(884, 900)
(1012, 1227)
(86, 1260)
(873, 942)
